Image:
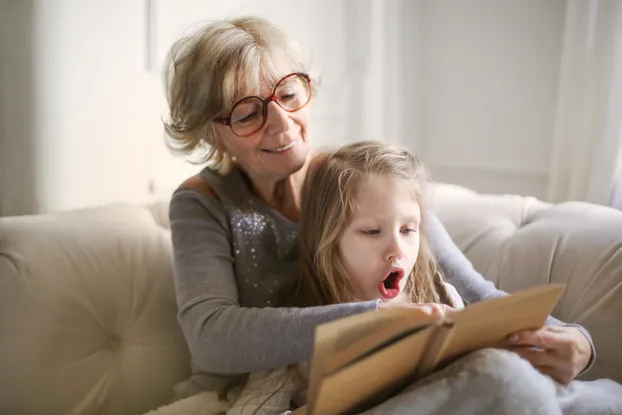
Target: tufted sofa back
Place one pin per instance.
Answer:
(88, 313)
(519, 242)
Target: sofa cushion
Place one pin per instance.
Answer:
(88, 311)
(520, 242)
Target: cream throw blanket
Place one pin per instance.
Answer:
(484, 382)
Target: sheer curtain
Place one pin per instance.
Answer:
(586, 163)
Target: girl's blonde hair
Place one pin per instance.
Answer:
(207, 71)
(328, 203)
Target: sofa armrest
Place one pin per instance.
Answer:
(520, 242)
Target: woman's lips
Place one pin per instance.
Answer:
(282, 148)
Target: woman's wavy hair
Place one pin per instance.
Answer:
(206, 72)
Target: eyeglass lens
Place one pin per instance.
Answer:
(291, 94)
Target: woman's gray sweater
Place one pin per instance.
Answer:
(235, 258)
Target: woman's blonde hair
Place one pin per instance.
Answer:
(328, 203)
(207, 70)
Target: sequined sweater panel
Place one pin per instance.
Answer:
(235, 259)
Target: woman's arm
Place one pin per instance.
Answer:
(223, 337)
(459, 271)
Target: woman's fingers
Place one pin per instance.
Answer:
(432, 310)
(546, 362)
(449, 309)
(437, 310)
(537, 357)
(538, 338)
(554, 350)
(559, 373)
(429, 309)
(548, 338)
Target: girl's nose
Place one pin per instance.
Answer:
(394, 249)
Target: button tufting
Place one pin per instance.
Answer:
(112, 342)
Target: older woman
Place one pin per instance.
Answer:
(239, 90)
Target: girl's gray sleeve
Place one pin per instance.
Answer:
(472, 287)
(223, 337)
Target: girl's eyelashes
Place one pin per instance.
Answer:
(404, 231)
(370, 231)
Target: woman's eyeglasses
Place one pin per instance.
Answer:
(249, 114)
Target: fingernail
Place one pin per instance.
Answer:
(513, 338)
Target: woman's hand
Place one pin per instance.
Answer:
(558, 351)
(439, 311)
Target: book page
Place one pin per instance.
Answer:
(344, 374)
(378, 374)
(486, 323)
(361, 347)
(351, 329)
(337, 336)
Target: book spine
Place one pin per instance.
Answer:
(434, 349)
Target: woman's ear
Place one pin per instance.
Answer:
(225, 160)
(216, 139)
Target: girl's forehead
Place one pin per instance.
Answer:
(389, 183)
(376, 190)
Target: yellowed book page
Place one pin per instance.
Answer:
(381, 371)
(334, 337)
(480, 325)
(486, 323)
(373, 340)
(433, 349)
(351, 329)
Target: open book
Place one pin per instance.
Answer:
(360, 361)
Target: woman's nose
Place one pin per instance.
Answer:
(277, 119)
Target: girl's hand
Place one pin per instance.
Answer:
(558, 351)
(427, 309)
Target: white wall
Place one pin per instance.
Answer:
(85, 103)
(17, 183)
(487, 74)
(469, 85)
(79, 114)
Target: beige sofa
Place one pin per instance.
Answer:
(88, 309)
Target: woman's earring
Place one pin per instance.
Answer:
(234, 159)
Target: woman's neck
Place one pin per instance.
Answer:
(282, 194)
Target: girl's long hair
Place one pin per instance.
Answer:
(328, 197)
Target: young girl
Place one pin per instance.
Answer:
(361, 239)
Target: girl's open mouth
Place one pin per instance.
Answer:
(390, 286)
